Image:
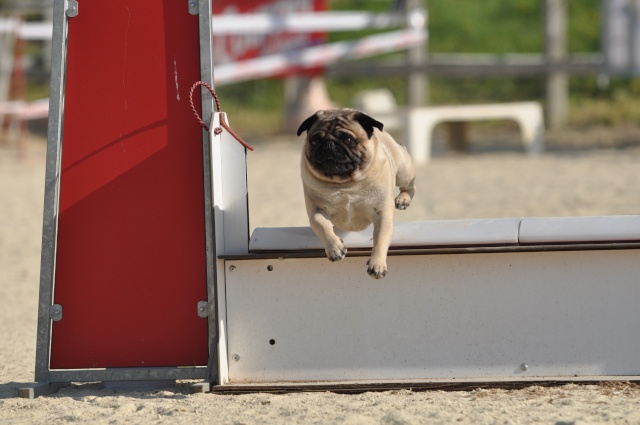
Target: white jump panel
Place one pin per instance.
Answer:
(498, 231)
(563, 314)
(453, 233)
(620, 228)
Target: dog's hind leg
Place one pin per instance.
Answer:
(406, 181)
(407, 190)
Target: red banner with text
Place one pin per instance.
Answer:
(234, 48)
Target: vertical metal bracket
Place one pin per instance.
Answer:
(71, 9)
(193, 7)
(55, 312)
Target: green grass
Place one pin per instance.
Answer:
(587, 112)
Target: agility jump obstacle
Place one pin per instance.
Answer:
(491, 300)
(149, 272)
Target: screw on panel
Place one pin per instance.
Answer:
(232, 268)
(235, 357)
(193, 7)
(72, 9)
(524, 367)
(55, 312)
(203, 309)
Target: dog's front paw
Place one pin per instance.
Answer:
(336, 251)
(377, 270)
(403, 200)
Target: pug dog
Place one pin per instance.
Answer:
(350, 168)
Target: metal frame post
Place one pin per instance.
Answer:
(206, 75)
(52, 189)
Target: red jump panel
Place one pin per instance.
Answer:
(130, 262)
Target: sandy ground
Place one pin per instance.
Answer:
(583, 173)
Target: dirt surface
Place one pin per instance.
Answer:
(591, 172)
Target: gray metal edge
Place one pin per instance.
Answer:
(438, 250)
(127, 374)
(444, 384)
(206, 75)
(483, 379)
(51, 190)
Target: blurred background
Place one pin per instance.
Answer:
(578, 59)
(475, 52)
(275, 64)
(25, 61)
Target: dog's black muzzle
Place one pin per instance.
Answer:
(334, 158)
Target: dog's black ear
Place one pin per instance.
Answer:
(367, 123)
(306, 124)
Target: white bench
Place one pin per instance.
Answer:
(420, 122)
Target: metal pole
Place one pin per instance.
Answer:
(51, 189)
(557, 88)
(417, 83)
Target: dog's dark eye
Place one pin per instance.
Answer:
(315, 139)
(348, 140)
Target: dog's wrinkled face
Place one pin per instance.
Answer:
(339, 143)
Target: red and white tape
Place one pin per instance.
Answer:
(25, 110)
(317, 56)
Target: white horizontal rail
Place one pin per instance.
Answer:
(302, 22)
(478, 232)
(317, 56)
(239, 24)
(27, 30)
(25, 110)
